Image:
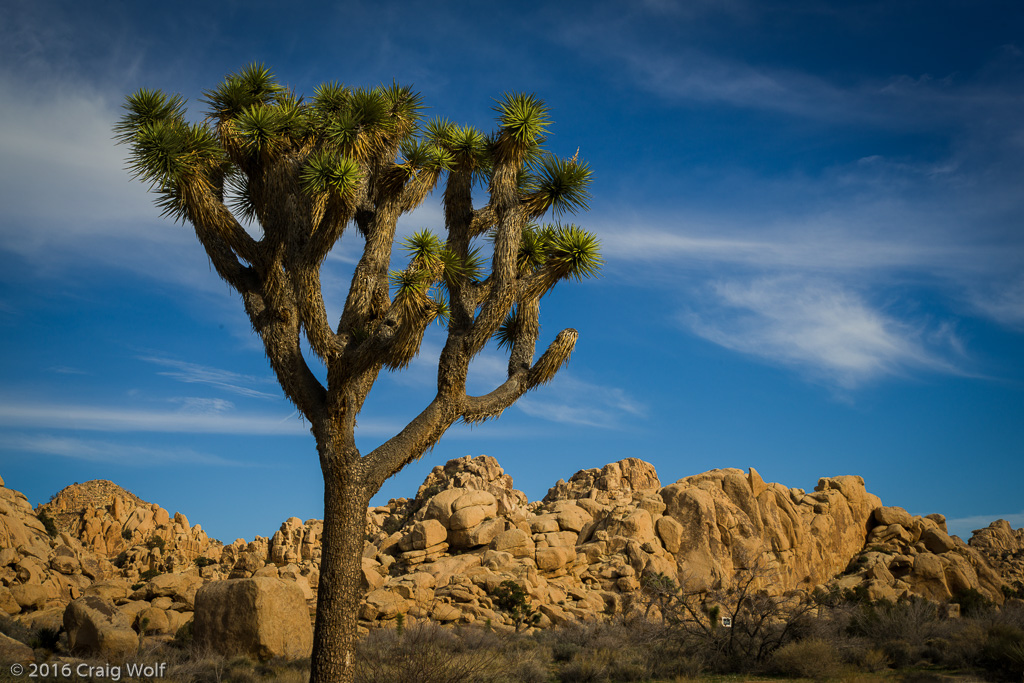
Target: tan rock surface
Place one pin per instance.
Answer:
(95, 627)
(259, 617)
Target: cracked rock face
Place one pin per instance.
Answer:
(581, 553)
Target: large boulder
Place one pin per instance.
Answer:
(261, 617)
(95, 627)
(727, 519)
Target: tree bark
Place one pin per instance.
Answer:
(339, 592)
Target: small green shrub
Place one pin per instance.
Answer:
(150, 574)
(1015, 591)
(204, 562)
(45, 638)
(126, 535)
(512, 599)
(156, 542)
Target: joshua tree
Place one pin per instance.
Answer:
(304, 172)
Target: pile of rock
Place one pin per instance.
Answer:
(908, 555)
(109, 521)
(120, 572)
(1003, 548)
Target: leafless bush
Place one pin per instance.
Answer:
(424, 653)
(912, 621)
(810, 658)
(734, 628)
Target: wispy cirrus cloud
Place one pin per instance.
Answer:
(193, 373)
(131, 455)
(570, 400)
(822, 329)
(207, 406)
(965, 526)
(18, 414)
(57, 416)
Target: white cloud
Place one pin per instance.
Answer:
(61, 169)
(214, 406)
(109, 452)
(193, 373)
(570, 400)
(965, 526)
(19, 414)
(54, 416)
(1002, 302)
(818, 327)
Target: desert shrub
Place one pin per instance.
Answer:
(126, 535)
(156, 542)
(527, 667)
(513, 600)
(121, 559)
(972, 602)
(1002, 655)
(901, 653)
(149, 575)
(45, 638)
(1014, 591)
(48, 525)
(912, 620)
(873, 660)
(811, 658)
(13, 628)
(423, 653)
(204, 562)
(583, 669)
(564, 650)
(184, 635)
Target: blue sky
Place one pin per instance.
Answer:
(811, 216)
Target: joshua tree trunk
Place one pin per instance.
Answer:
(306, 171)
(340, 588)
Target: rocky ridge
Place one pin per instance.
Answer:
(128, 567)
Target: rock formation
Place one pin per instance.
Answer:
(108, 521)
(119, 571)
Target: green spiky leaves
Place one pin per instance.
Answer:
(523, 118)
(167, 153)
(327, 172)
(424, 156)
(559, 252)
(509, 331)
(466, 146)
(252, 86)
(144, 108)
(558, 185)
(572, 252)
(429, 255)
